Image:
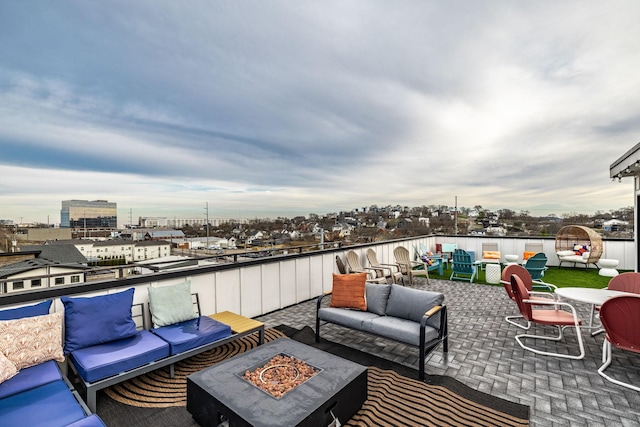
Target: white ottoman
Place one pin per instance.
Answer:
(492, 273)
(608, 267)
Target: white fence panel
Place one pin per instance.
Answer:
(271, 288)
(251, 291)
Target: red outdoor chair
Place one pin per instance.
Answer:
(620, 317)
(625, 282)
(524, 275)
(555, 317)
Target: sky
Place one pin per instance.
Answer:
(270, 108)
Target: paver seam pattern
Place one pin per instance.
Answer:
(484, 355)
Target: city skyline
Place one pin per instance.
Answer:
(129, 219)
(278, 109)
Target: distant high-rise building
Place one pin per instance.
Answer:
(88, 214)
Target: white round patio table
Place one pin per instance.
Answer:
(591, 296)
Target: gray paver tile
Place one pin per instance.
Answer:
(483, 354)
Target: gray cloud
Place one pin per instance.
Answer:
(280, 108)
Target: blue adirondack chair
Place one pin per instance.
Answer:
(463, 268)
(536, 266)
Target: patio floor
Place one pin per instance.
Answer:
(484, 355)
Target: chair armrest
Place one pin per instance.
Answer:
(319, 300)
(545, 284)
(391, 265)
(417, 263)
(433, 310)
(442, 330)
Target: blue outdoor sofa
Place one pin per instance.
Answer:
(101, 357)
(39, 395)
(103, 345)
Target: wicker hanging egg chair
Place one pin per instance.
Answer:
(584, 242)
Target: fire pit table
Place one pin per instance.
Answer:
(336, 388)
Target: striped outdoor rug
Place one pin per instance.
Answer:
(393, 400)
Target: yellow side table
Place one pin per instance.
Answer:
(241, 325)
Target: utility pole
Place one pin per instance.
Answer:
(455, 213)
(206, 209)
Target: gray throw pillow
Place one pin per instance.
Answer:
(377, 296)
(171, 304)
(411, 304)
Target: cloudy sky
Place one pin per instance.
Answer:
(269, 108)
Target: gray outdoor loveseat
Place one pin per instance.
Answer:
(411, 316)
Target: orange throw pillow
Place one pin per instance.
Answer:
(528, 255)
(349, 291)
(491, 255)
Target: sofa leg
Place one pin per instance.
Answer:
(317, 329)
(91, 400)
(422, 352)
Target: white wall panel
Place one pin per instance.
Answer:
(303, 283)
(251, 291)
(288, 283)
(205, 286)
(228, 291)
(316, 276)
(328, 268)
(271, 287)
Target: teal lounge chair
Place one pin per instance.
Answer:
(536, 266)
(463, 268)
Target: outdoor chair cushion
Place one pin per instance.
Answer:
(7, 368)
(171, 304)
(349, 291)
(31, 377)
(39, 309)
(97, 320)
(192, 333)
(50, 405)
(377, 297)
(411, 304)
(490, 255)
(406, 331)
(350, 318)
(565, 253)
(32, 340)
(104, 360)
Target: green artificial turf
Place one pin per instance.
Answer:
(561, 277)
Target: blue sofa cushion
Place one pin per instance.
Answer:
(193, 333)
(377, 297)
(90, 421)
(105, 360)
(50, 405)
(97, 320)
(411, 304)
(7, 369)
(39, 309)
(31, 377)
